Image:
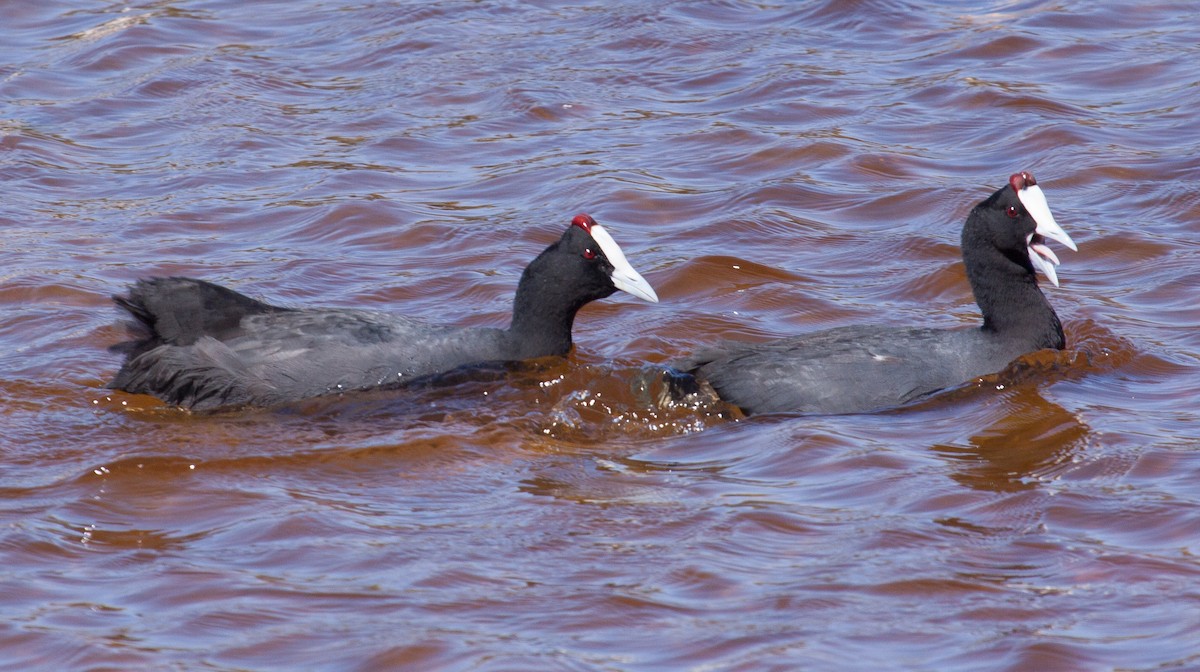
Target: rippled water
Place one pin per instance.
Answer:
(770, 168)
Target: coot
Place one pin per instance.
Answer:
(866, 368)
(202, 346)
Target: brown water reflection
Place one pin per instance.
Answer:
(770, 168)
(1028, 441)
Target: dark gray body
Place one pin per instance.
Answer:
(284, 355)
(851, 369)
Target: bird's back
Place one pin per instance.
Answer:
(848, 370)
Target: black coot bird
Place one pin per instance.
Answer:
(866, 368)
(202, 346)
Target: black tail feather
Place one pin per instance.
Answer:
(179, 311)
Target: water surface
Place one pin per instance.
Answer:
(770, 167)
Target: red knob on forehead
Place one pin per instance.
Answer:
(584, 222)
(1022, 180)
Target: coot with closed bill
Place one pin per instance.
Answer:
(202, 346)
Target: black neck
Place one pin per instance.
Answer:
(543, 314)
(1007, 292)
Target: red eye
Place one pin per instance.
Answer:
(1012, 211)
(589, 253)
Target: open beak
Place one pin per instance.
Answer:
(1041, 256)
(623, 276)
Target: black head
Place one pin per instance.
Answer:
(1003, 245)
(587, 263)
(1016, 221)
